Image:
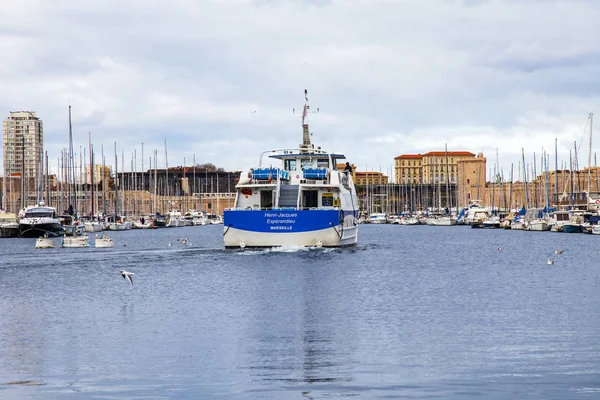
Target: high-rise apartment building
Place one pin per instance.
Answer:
(23, 144)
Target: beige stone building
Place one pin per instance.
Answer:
(438, 166)
(370, 178)
(470, 178)
(431, 167)
(408, 168)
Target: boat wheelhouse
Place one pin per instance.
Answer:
(295, 196)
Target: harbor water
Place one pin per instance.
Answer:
(410, 312)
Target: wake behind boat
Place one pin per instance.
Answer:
(306, 201)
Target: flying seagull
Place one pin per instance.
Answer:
(557, 251)
(128, 276)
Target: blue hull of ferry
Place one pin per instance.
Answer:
(274, 228)
(282, 221)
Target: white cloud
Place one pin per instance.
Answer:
(219, 79)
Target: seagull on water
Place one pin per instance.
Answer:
(128, 276)
(499, 248)
(550, 261)
(557, 251)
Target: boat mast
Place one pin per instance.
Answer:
(556, 168)
(103, 182)
(72, 167)
(525, 179)
(122, 185)
(511, 188)
(4, 191)
(143, 189)
(116, 184)
(448, 197)
(47, 182)
(155, 181)
(590, 155)
(91, 176)
(305, 132)
(167, 175)
(23, 173)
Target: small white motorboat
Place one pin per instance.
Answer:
(44, 242)
(75, 241)
(103, 241)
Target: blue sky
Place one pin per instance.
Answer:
(219, 79)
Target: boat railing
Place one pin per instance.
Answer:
(315, 173)
(264, 174)
(258, 208)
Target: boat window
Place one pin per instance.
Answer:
(327, 199)
(266, 199)
(310, 198)
(290, 165)
(306, 163)
(44, 214)
(322, 163)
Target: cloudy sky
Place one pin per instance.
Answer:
(219, 79)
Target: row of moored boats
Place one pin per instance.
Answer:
(476, 216)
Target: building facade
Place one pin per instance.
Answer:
(440, 166)
(432, 167)
(408, 168)
(23, 143)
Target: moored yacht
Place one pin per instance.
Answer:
(40, 220)
(304, 201)
(377, 218)
(9, 225)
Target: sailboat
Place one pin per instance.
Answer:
(92, 225)
(75, 236)
(444, 220)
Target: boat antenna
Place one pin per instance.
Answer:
(306, 143)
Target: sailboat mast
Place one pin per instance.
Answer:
(91, 176)
(23, 173)
(116, 183)
(123, 210)
(47, 181)
(155, 181)
(547, 161)
(556, 167)
(525, 179)
(511, 188)
(590, 154)
(167, 175)
(72, 166)
(448, 197)
(143, 188)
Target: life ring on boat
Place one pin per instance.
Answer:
(598, 201)
(246, 191)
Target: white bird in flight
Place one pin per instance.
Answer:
(557, 251)
(128, 276)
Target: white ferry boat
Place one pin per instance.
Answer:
(305, 201)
